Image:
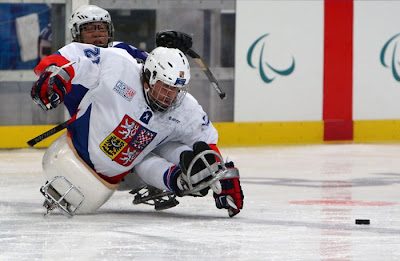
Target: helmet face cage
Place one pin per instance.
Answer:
(167, 73)
(87, 14)
(163, 97)
(83, 27)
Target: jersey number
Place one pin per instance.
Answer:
(93, 53)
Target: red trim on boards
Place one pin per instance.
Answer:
(338, 70)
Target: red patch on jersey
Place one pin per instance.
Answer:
(127, 141)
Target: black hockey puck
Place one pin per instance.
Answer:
(362, 221)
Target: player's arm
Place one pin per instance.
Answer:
(198, 168)
(133, 51)
(227, 192)
(74, 63)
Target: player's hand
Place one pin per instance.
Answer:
(231, 196)
(48, 92)
(174, 39)
(199, 172)
(51, 87)
(55, 75)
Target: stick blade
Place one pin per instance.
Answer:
(31, 143)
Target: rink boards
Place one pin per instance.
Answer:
(305, 72)
(334, 62)
(240, 134)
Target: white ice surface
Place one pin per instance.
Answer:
(300, 203)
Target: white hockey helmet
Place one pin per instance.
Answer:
(170, 67)
(86, 14)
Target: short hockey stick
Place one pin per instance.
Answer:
(207, 71)
(47, 134)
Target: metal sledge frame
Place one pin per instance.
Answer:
(161, 201)
(51, 202)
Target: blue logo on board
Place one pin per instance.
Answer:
(390, 56)
(266, 70)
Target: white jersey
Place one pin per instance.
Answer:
(114, 128)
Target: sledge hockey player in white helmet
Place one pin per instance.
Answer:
(134, 116)
(92, 25)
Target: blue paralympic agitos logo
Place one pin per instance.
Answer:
(267, 75)
(390, 56)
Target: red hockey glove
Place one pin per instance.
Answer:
(54, 81)
(231, 196)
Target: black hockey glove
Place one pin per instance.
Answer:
(231, 197)
(199, 171)
(174, 39)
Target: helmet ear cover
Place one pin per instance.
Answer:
(146, 76)
(154, 74)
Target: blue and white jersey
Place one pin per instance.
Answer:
(114, 128)
(72, 100)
